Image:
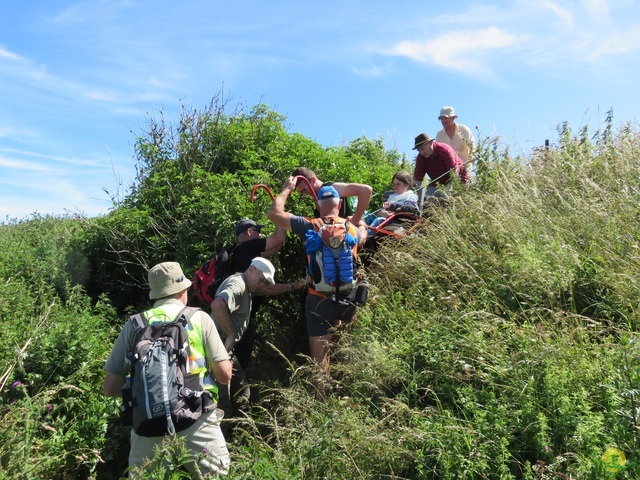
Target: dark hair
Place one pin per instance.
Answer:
(403, 176)
(303, 172)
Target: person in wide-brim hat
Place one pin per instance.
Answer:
(438, 161)
(166, 279)
(421, 140)
(458, 136)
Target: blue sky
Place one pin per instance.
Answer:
(79, 79)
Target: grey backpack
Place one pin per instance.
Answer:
(164, 397)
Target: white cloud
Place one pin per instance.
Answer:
(561, 12)
(617, 43)
(7, 54)
(22, 165)
(370, 70)
(461, 51)
(483, 41)
(72, 161)
(597, 8)
(102, 96)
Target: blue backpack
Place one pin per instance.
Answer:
(331, 248)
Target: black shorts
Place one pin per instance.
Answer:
(323, 313)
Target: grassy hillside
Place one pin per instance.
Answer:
(500, 340)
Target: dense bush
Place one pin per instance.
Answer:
(194, 183)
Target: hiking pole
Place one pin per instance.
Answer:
(252, 197)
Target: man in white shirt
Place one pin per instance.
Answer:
(458, 136)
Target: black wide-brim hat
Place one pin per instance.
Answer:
(421, 140)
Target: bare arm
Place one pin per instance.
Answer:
(221, 371)
(280, 288)
(362, 238)
(113, 384)
(419, 170)
(221, 317)
(275, 241)
(360, 190)
(277, 214)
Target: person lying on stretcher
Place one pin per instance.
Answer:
(403, 199)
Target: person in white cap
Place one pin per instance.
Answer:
(456, 135)
(204, 439)
(231, 312)
(250, 244)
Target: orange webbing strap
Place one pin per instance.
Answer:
(312, 291)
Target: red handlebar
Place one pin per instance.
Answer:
(252, 197)
(310, 187)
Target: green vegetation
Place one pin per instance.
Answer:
(500, 340)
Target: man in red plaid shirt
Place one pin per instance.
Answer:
(437, 160)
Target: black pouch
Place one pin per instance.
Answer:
(192, 383)
(207, 402)
(358, 295)
(362, 293)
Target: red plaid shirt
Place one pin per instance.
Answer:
(439, 164)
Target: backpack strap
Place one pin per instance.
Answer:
(184, 315)
(184, 318)
(139, 321)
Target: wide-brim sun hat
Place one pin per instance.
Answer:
(167, 279)
(421, 140)
(447, 112)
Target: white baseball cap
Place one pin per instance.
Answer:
(266, 267)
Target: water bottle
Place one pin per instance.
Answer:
(193, 366)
